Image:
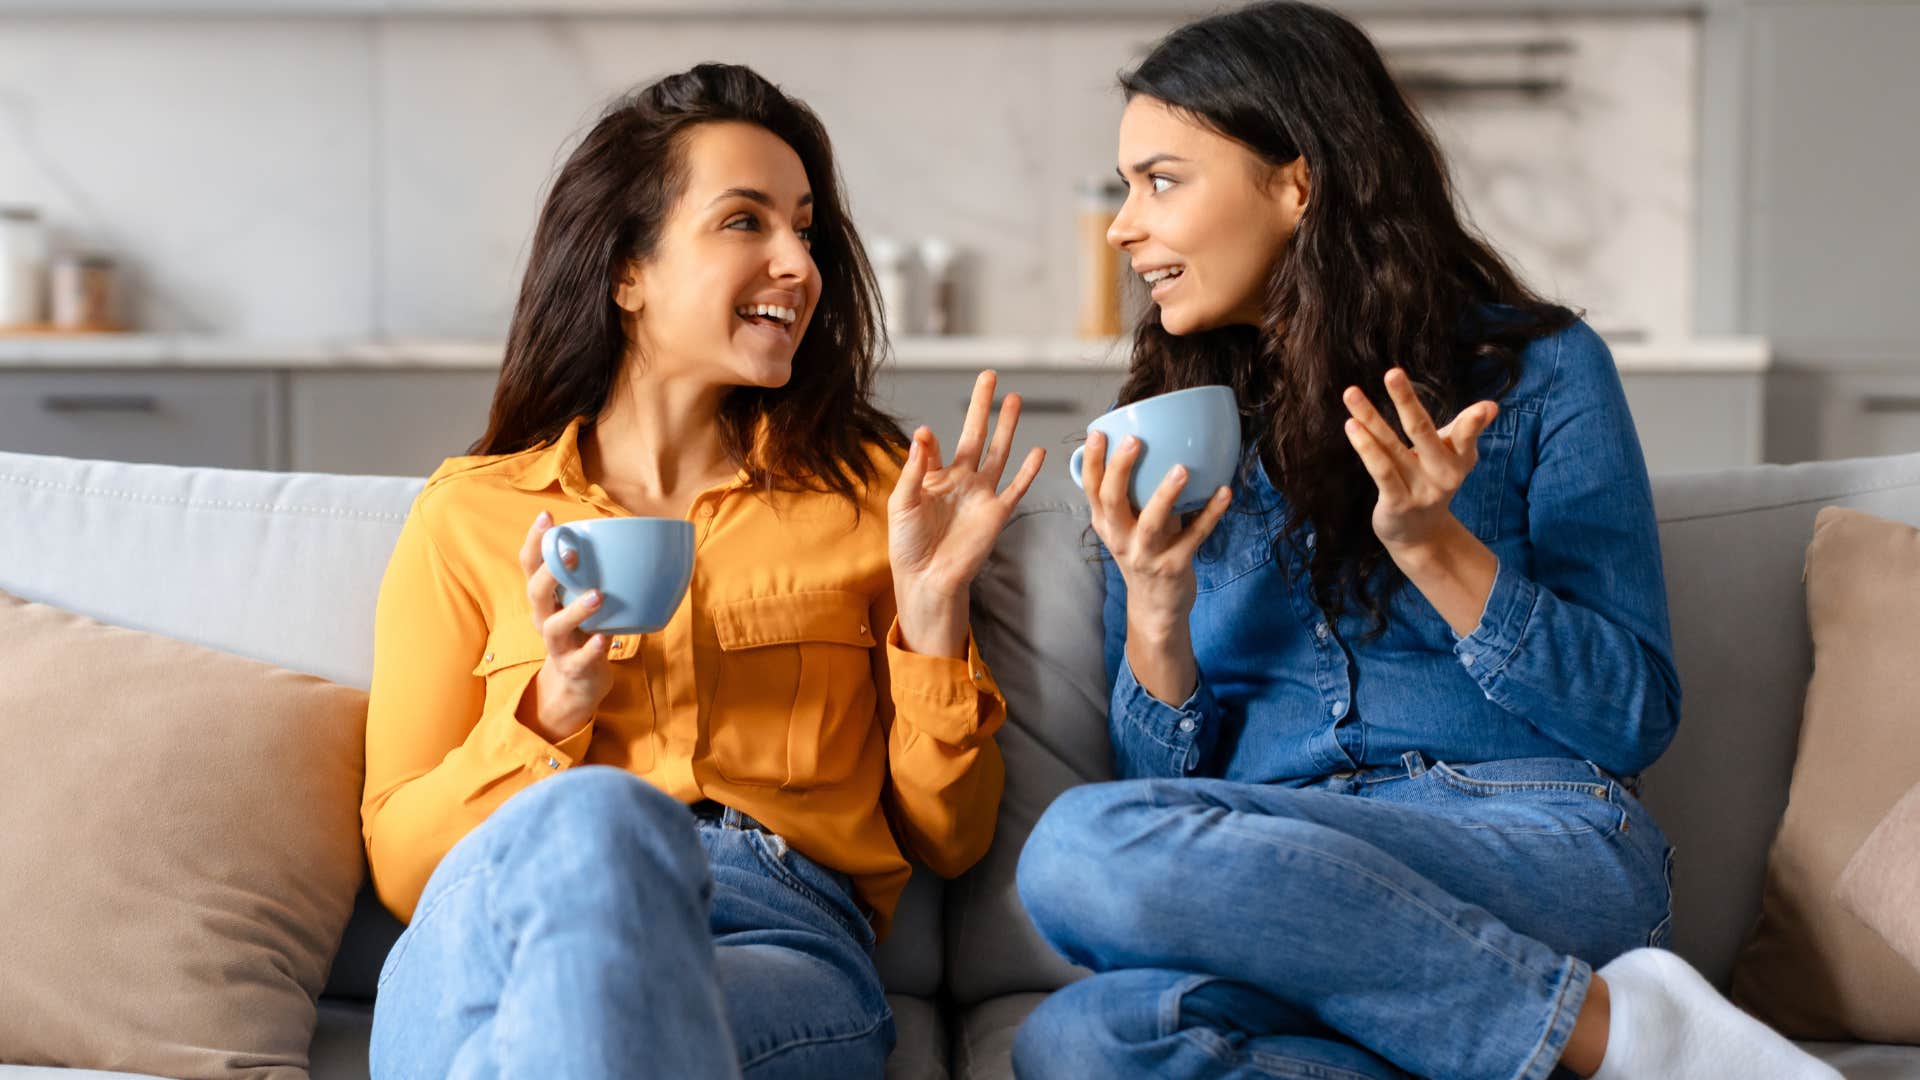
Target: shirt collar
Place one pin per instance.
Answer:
(556, 462)
(559, 462)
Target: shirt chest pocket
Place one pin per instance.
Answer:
(793, 705)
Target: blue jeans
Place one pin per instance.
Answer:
(1417, 919)
(593, 927)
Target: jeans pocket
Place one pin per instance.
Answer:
(828, 890)
(1552, 786)
(1662, 934)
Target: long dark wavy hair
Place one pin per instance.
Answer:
(607, 208)
(1380, 272)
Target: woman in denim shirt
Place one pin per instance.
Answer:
(1381, 705)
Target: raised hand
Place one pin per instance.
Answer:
(1416, 483)
(942, 519)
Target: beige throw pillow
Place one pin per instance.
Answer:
(180, 852)
(1881, 883)
(1810, 968)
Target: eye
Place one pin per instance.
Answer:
(806, 234)
(747, 220)
(1158, 179)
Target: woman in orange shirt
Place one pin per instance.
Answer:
(725, 807)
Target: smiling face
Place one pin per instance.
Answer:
(731, 285)
(1205, 220)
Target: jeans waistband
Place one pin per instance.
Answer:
(1413, 763)
(726, 817)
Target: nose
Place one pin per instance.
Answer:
(1126, 228)
(791, 263)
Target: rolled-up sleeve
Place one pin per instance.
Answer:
(1580, 646)
(941, 714)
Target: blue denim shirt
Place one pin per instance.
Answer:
(1572, 655)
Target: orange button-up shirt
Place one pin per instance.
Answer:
(780, 687)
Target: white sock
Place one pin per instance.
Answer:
(1668, 1021)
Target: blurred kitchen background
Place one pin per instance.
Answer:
(288, 234)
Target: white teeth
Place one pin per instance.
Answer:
(785, 315)
(1155, 277)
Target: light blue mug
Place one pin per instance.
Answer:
(641, 565)
(1198, 427)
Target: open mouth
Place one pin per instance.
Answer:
(1161, 281)
(769, 316)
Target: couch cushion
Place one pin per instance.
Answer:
(183, 848)
(1810, 968)
(1733, 544)
(983, 1039)
(1036, 614)
(1881, 884)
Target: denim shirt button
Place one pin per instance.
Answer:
(1468, 659)
(1187, 724)
(1338, 708)
(1321, 631)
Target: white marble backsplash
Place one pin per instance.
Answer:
(282, 178)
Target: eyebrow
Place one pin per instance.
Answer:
(756, 195)
(1147, 163)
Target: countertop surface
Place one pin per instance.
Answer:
(216, 352)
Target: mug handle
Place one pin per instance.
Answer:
(1073, 467)
(550, 552)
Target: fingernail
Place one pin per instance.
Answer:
(593, 598)
(1133, 440)
(1179, 472)
(545, 519)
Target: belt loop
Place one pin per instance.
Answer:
(1416, 763)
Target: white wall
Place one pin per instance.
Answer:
(346, 177)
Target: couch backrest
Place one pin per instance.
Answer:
(281, 567)
(285, 568)
(1733, 545)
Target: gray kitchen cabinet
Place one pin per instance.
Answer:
(388, 422)
(1698, 421)
(1055, 407)
(1833, 412)
(222, 419)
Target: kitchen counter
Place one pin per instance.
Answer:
(204, 351)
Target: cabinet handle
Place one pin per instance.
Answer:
(1040, 406)
(85, 403)
(1891, 403)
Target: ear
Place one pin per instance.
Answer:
(1293, 188)
(629, 294)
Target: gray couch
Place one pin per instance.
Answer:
(186, 552)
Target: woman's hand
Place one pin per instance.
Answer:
(942, 520)
(1154, 552)
(1414, 515)
(1153, 549)
(577, 675)
(1417, 483)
